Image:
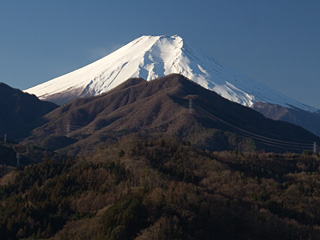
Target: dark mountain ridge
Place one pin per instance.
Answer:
(20, 112)
(171, 105)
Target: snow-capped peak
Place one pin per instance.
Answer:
(150, 57)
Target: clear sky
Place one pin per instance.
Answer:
(275, 42)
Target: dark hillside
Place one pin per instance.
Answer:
(308, 120)
(26, 154)
(164, 189)
(173, 106)
(20, 112)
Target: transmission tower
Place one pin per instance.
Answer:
(315, 149)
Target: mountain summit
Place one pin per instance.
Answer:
(150, 57)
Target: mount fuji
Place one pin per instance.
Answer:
(150, 57)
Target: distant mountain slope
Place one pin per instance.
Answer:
(20, 112)
(303, 118)
(150, 57)
(164, 106)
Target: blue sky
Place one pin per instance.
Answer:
(274, 42)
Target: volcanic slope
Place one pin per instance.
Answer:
(20, 112)
(171, 105)
(150, 57)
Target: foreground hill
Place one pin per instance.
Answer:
(20, 112)
(171, 105)
(163, 189)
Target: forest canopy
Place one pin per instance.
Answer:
(161, 188)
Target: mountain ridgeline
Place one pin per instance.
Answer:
(20, 112)
(172, 105)
(305, 119)
(150, 57)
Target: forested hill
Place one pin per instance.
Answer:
(173, 106)
(163, 189)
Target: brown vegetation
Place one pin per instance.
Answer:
(162, 106)
(161, 188)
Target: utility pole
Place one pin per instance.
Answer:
(68, 129)
(190, 105)
(18, 159)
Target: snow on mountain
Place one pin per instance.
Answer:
(150, 57)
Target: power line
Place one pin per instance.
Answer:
(265, 140)
(259, 136)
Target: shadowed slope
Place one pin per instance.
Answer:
(20, 112)
(308, 120)
(163, 106)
